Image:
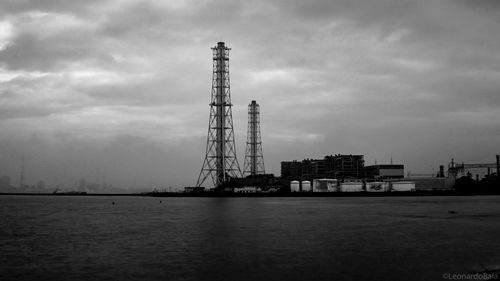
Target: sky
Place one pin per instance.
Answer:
(117, 92)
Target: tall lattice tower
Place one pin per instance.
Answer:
(254, 160)
(220, 161)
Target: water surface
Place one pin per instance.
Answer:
(139, 238)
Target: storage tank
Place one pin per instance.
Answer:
(306, 186)
(351, 187)
(333, 185)
(325, 185)
(294, 186)
(403, 186)
(377, 186)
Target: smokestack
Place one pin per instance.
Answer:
(441, 171)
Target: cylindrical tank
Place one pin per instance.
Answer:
(294, 186)
(351, 187)
(332, 185)
(306, 186)
(377, 186)
(403, 186)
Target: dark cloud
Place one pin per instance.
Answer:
(415, 80)
(27, 52)
(137, 19)
(9, 7)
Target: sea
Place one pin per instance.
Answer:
(254, 238)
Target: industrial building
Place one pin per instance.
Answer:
(333, 173)
(357, 186)
(432, 183)
(333, 166)
(312, 168)
(387, 171)
(260, 180)
(291, 170)
(347, 166)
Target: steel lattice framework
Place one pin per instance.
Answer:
(220, 161)
(254, 159)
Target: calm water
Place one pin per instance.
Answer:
(89, 238)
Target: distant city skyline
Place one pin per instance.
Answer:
(120, 89)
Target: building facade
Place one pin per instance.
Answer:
(333, 166)
(385, 171)
(347, 166)
(291, 170)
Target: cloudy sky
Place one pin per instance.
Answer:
(118, 91)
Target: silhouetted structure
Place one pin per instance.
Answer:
(195, 189)
(386, 171)
(254, 159)
(441, 171)
(220, 161)
(487, 185)
(498, 165)
(291, 170)
(260, 180)
(333, 166)
(454, 169)
(314, 168)
(347, 166)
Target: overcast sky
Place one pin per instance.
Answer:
(118, 91)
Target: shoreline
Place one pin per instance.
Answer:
(295, 194)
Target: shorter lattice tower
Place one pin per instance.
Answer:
(254, 159)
